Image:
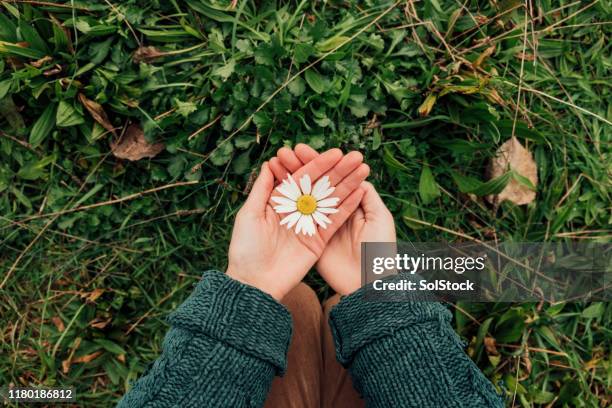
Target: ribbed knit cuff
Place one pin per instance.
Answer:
(239, 315)
(355, 321)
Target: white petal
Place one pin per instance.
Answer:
(289, 189)
(299, 225)
(328, 202)
(295, 190)
(283, 201)
(321, 219)
(325, 193)
(306, 184)
(291, 219)
(285, 209)
(320, 186)
(285, 190)
(309, 226)
(327, 210)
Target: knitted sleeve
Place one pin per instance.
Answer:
(225, 344)
(406, 354)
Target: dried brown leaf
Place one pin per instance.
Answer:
(146, 54)
(57, 68)
(526, 56)
(39, 63)
(484, 55)
(427, 105)
(490, 346)
(100, 323)
(133, 145)
(513, 156)
(495, 97)
(86, 358)
(67, 362)
(58, 323)
(481, 19)
(14, 62)
(93, 295)
(66, 365)
(97, 112)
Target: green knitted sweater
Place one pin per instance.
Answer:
(228, 340)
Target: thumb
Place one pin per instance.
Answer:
(373, 206)
(260, 193)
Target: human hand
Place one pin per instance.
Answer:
(340, 262)
(267, 255)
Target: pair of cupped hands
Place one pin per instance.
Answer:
(274, 259)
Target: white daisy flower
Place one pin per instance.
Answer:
(306, 204)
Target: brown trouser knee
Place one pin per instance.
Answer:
(314, 377)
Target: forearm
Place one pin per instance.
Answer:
(407, 354)
(226, 343)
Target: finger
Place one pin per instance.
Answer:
(351, 182)
(289, 159)
(305, 153)
(260, 193)
(320, 165)
(279, 171)
(373, 206)
(345, 167)
(348, 206)
(358, 214)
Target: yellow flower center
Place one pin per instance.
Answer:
(306, 204)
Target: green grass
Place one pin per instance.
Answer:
(95, 251)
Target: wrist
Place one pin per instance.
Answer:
(253, 281)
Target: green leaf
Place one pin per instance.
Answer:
(226, 70)
(470, 185)
(25, 201)
(543, 397)
(316, 142)
(594, 311)
(60, 38)
(480, 336)
(331, 43)
(428, 188)
(35, 170)
(8, 29)
(185, 108)
(245, 46)
(392, 162)
(10, 49)
(67, 116)
(316, 82)
(31, 36)
(510, 326)
(242, 163)
(110, 346)
(263, 121)
(359, 110)
(10, 112)
(5, 87)
(512, 385)
(523, 180)
(113, 370)
(222, 154)
(547, 333)
(177, 164)
(302, 52)
(376, 139)
(43, 126)
(297, 86)
(244, 141)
